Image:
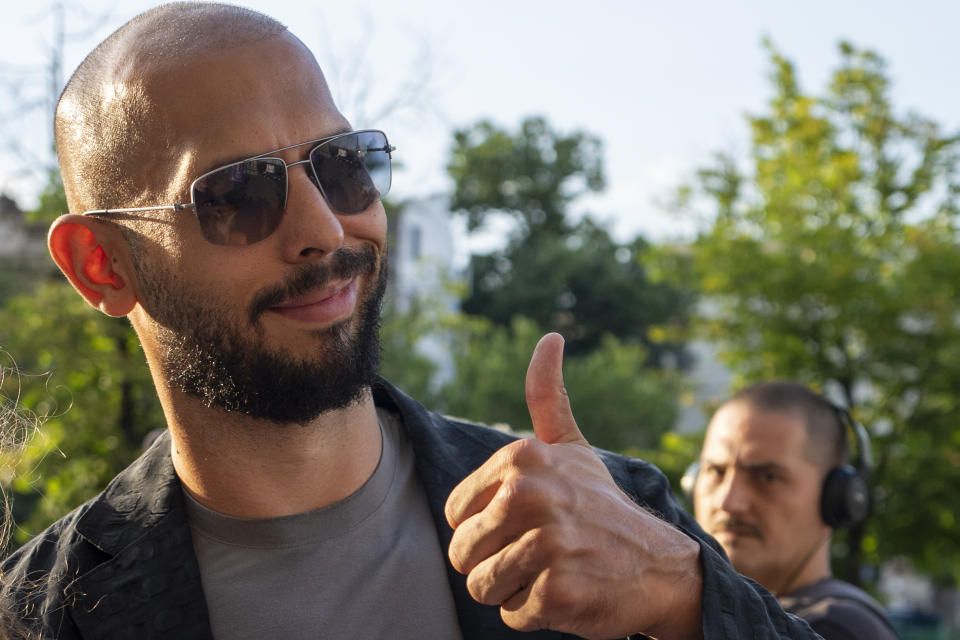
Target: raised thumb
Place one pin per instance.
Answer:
(547, 399)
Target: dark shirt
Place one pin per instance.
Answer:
(123, 565)
(840, 611)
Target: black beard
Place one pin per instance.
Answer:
(208, 357)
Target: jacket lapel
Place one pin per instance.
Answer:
(150, 585)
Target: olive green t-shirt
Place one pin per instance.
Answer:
(369, 566)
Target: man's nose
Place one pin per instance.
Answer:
(310, 228)
(733, 493)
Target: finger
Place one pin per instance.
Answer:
(514, 509)
(516, 611)
(523, 610)
(547, 399)
(476, 491)
(471, 496)
(505, 574)
(553, 600)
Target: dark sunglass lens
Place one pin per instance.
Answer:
(353, 170)
(242, 203)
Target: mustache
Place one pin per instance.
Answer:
(343, 264)
(732, 523)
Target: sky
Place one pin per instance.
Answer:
(663, 84)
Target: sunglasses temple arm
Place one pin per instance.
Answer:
(177, 206)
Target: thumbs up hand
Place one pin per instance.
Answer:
(542, 531)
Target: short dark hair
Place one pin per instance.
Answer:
(826, 432)
(100, 120)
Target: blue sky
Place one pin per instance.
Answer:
(663, 84)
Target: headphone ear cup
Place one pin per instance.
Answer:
(845, 499)
(689, 481)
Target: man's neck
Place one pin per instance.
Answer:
(814, 568)
(250, 468)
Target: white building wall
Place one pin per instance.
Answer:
(422, 261)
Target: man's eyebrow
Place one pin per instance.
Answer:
(226, 161)
(752, 467)
(755, 467)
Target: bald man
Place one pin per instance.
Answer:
(223, 204)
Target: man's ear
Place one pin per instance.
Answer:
(93, 256)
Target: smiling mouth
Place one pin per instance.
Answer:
(326, 305)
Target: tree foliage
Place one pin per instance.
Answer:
(533, 174)
(84, 374)
(618, 402)
(834, 260)
(584, 285)
(572, 278)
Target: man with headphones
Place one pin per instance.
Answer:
(772, 482)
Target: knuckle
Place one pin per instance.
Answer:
(528, 452)
(515, 492)
(546, 541)
(556, 593)
(523, 499)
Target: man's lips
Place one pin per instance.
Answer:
(324, 306)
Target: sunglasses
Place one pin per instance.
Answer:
(243, 202)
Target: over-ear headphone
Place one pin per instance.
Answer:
(845, 496)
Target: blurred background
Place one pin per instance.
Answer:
(697, 195)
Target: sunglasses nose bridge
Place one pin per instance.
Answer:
(309, 171)
(311, 174)
(293, 164)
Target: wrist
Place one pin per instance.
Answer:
(682, 581)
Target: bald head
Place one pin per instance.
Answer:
(112, 141)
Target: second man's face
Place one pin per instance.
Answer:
(757, 493)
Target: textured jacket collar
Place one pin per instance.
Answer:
(150, 584)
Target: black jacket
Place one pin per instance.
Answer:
(122, 565)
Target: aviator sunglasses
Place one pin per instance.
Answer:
(243, 202)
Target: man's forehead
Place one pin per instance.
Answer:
(234, 104)
(748, 435)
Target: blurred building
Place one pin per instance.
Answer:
(20, 242)
(23, 250)
(422, 250)
(708, 381)
(422, 271)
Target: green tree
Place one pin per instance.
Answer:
(584, 285)
(618, 402)
(570, 278)
(533, 174)
(84, 373)
(833, 260)
(52, 201)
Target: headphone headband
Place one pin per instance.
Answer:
(864, 462)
